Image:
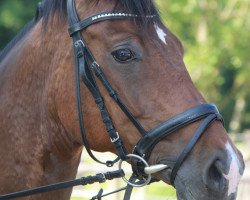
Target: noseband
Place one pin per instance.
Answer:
(85, 68)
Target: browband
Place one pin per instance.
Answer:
(78, 26)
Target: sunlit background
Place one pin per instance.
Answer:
(216, 38)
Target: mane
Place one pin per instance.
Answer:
(139, 7)
(48, 8)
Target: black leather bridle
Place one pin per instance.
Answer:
(86, 67)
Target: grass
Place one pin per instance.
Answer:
(159, 191)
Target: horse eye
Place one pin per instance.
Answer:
(123, 55)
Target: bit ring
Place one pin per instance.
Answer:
(134, 184)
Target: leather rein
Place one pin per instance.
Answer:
(86, 69)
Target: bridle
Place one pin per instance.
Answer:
(86, 67)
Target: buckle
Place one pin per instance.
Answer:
(80, 47)
(79, 42)
(115, 139)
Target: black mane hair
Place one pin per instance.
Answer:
(47, 8)
(139, 7)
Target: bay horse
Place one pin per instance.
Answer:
(160, 116)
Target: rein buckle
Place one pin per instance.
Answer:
(113, 140)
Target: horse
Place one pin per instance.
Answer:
(159, 118)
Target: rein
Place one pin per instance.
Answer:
(86, 67)
(98, 178)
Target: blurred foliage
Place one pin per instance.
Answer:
(216, 38)
(13, 15)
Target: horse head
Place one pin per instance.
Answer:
(132, 65)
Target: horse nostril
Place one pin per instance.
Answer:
(214, 179)
(214, 174)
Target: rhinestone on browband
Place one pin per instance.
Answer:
(118, 15)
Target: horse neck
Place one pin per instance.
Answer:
(29, 85)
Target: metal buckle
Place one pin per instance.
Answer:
(134, 184)
(115, 139)
(94, 63)
(79, 42)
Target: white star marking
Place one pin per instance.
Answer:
(161, 34)
(233, 175)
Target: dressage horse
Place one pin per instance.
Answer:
(132, 67)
